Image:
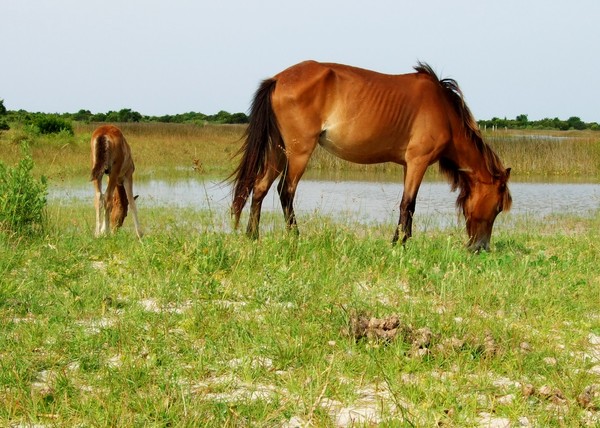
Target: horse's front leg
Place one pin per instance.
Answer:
(128, 183)
(413, 175)
(407, 210)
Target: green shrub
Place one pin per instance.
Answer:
(48, 124)
(22, 198)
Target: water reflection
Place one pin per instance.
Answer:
(361, 201)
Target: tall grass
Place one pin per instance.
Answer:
(549, 154)
(180, 149)
(187, 150)
(166, 150)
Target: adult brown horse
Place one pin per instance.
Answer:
(367, 117)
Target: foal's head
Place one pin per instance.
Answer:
(119, 208)
(481, 203)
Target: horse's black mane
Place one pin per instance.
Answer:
(492, 161)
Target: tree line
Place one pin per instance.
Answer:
(53, 120)
(523, 122)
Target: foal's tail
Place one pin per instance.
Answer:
(100, 156)
(261, 136)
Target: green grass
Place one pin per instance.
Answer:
(196, 325)
(193, 326)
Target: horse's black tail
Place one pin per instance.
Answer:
(101, 155)
(261, 136)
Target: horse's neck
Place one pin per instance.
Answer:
(470, 159)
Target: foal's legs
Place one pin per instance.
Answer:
(108, 203)
(128, 184)
(98, 204)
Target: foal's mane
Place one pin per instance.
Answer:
(456, 176)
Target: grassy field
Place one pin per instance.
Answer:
(194, 326)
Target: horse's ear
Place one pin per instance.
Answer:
(507, 173)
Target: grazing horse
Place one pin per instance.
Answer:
(367, 117)
(111, 155)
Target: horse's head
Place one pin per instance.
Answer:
(119, 208)
(481, 206)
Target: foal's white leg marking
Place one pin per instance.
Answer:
(108, 204)
(128, 184)
(106, 216)
(99, 205)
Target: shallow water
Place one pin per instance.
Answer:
(365, 202)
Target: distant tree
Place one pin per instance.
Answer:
(226, 117)
(82, 116)
(123, 115)
(127, 115)
(98, 117)
(220, 117)
(576, 123)
(3, 123)
(522, 120)
(500, 123)
(237, 118)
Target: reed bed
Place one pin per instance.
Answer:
(532, 155)
(174, 151)
(549, 155)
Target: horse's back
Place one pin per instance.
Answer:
(118, 148)
(359, 115)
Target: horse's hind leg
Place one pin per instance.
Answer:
(287, 191)
(259, 191)
(108, 204)
(288, 185)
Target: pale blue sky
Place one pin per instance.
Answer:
(534, 57)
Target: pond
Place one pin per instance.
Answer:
(359, 201)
